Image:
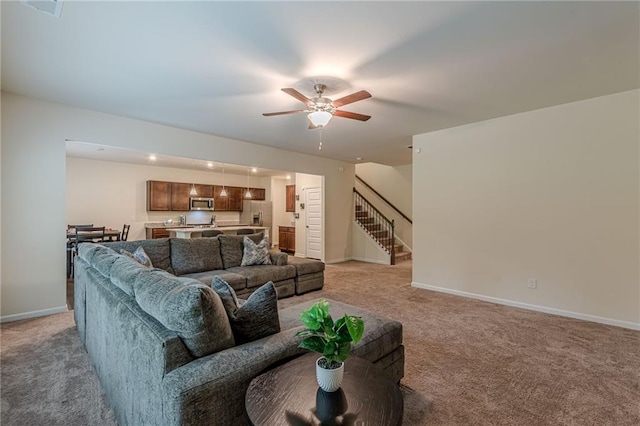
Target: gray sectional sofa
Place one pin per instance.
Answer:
(202, 258)
(160, 343)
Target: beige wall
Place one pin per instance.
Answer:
(550, 194)
(34, 168)
(281, 217)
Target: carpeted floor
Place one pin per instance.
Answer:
(467, 362)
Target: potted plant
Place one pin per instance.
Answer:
(330, 339)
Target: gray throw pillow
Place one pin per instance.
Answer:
(231, 248)
(253, 319)
(256, 254)
(140, 256)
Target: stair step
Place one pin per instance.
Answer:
(372, 227)
(405, 255)
(379, 234)
(362, 214)
(366, 220)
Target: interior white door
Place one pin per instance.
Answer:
(314, 223)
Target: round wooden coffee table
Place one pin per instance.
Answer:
(289, 395)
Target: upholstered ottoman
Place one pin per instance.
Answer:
(309, 274)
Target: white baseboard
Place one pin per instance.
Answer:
(538, 308)
(328, 262)
(33, 314)
(378, 261)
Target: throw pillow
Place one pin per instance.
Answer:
(231, 248)
(256, 254)
(140, 256)
(253, 319)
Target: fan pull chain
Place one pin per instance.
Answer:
(320, 145)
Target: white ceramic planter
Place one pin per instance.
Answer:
(329, 380)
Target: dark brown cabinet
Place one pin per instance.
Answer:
(174, 196)
(159, 233)
(257, 194)
(287, 239)
(233, 200)
(158, 195)
(290, 198)
(180, 194)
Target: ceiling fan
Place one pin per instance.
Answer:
(320, 109)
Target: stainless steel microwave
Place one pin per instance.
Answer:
(200, 203)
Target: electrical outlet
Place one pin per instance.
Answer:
(532, 283)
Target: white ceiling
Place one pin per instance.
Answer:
(215, 67)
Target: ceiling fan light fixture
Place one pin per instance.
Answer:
(319, 118)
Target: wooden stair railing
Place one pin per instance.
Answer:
(375, 223)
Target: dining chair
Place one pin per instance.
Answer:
(211, 233)
(125, 232)
(70, 247)
(85, 234)
(245, 231)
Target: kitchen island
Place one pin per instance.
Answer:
(196, 232)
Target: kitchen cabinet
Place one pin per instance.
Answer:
(233, 200)
(174, 196)
(287, 239)
(158, 195)
(257, 194)
(290, 198)
(180, 194)
(159, 233)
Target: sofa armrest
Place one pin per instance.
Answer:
(278, 258)
(211, 389)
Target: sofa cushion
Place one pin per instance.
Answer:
(102, 258)
(306, 266)
(140, 256)
(124, 273)
(237, 282)
(195, 255)
(231, 248)
(191, 309)
(259, 274)
(158, 250)
(255, 254)
(253, 319)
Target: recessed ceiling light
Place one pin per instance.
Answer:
(254, 170)
(152, 157)
(210, 165)
(359, 158)
(288, 176)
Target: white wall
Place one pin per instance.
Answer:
(112, 194)
(395, 185)
(34, 168)
(550, 194)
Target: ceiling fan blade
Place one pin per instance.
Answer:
(312, 126)
(299, 96)
(269, 114)
(354, 97)
(353, 115)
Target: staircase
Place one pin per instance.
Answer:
(379, 228)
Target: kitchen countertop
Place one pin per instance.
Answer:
(204, 228)
(176, 226)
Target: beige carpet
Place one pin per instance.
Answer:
(467, 362)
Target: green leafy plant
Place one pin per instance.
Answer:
(323, 335)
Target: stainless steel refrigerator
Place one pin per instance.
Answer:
(258, 213)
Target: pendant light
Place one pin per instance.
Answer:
(248, 193)
(223, 193)
(193, 185)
